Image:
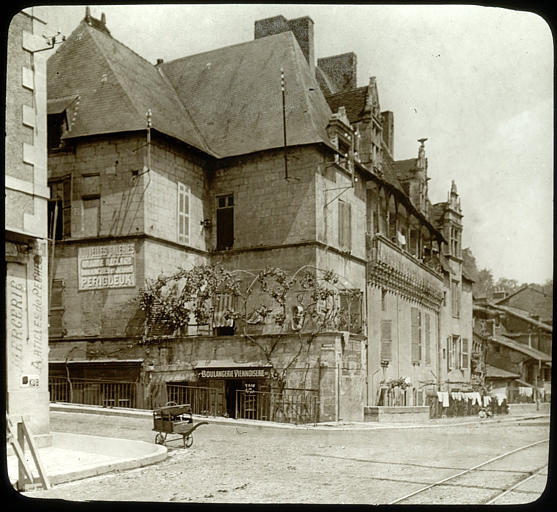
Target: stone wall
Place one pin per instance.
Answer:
(329, 362)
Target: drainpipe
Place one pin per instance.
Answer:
(439, 350)
(338, 361)
(366, 352)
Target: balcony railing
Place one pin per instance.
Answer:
(393, 268)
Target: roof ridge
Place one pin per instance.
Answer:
(133, 103)
(118, 41)
(108, 61)
(346, 92)
(281, 34)
(299, 75)
(188, 113)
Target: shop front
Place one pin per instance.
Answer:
(242, 386)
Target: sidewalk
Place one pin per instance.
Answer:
(330, 425)
(74, 456)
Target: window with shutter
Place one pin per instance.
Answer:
(183, 214)
(225, 222)
(344, 225)
(416, 330)
(61, 198)
(386, 340)
(455, 352)
(56, 309)
(427, 338)
(464, 353)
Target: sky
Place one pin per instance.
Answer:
(476, 81)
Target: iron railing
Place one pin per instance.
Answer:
(204, 401)
(289, 405)
(93, 392)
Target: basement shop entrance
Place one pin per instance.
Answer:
(240, 386)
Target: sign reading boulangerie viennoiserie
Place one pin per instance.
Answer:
(106, 266)
(234, 373)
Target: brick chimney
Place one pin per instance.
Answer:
(341, 70)
(94, 22)
(302, 28)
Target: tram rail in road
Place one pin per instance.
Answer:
(529, 475)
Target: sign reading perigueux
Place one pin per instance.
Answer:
(106, 266)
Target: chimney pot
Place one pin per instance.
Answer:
(159, 62)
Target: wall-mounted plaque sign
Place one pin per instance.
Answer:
(106, 266)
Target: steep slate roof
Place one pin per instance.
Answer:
(526, 318)
(519, 347)
(520, 290)
(234, 95)
(354, 101)
(116, 88)
(404, 168)
(436, 213)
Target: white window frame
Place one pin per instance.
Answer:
(183, 214)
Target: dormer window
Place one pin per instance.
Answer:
(56, 127)
(62, 112)
(342, 136)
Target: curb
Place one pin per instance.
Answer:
(87, 444)
(355, 426)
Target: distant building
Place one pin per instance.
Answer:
(514, 343)
(198, 161)
(26, 249)
(532, 300)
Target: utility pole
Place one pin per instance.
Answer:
(283, 91)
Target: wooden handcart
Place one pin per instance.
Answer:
(175, 419)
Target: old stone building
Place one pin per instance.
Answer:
(26, 251)
(516, 345)
(245, 157)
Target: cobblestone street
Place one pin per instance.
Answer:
(242, 464)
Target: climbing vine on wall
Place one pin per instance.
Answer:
(301, 304)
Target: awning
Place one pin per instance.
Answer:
(229, 363)
(99, 361)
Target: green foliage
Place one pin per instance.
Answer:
(169, 302)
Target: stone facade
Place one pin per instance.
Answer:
(137, 203)
(26, 250)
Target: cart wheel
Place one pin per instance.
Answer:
(188, 441)
(159, 439)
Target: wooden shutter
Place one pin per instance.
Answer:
(67, 206)
(341, 237)
(427, 338)
(348, 225)
(183, 214)
(56, 309)
(344, 225)
(386, 340)
(416, 334)
(464, 353)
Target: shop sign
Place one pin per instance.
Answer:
(235, 373)
(106, 266)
